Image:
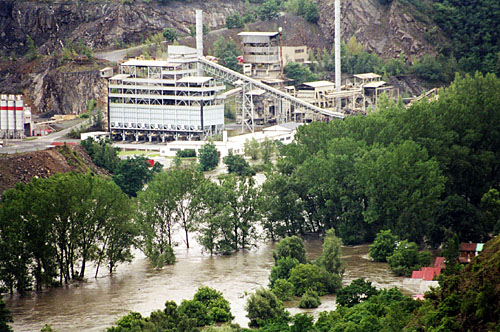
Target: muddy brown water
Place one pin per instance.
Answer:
(94, 305)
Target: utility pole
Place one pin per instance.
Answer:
(280, 30)
(338, 66)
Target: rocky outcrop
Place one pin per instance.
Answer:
(386, 30)
(53, 89)
(99, 24)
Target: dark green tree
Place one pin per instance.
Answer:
(292, 247)
(132, 174)
(5, 317)
(208, 157)
(237, 164)
(383, 246)
(263, 307)
(269, 10)
(358, 290)
(406, 258)
(170, 34)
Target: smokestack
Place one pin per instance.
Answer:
(199, 32)
(337, 51)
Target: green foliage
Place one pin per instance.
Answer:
(132, 174)
(267, 148)
(235, 21)
(47, 328)
(228, 214)
(227, 52)
(474, 29)
(385, 2)
(237, 164)
(5, 317)
(299, 72)
(103, 154)
(170, 34)
(186, 153)
(217, 306)
(281, 269)
(192, 30)
(269, 10)
(330, 258)
(208, 157)
(387, 311)
(73, 51)
(358, 290)
(406, 258)
(195, 310)
(283, 289)
(263, 307)
(292, 247)
(49, 225)
(308, 276)
(251, 148)
(305, 8)
(310, 299)
(32, 51)
(383, 246)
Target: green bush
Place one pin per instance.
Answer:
(406, 258)
(281, 269)
(358, 291)
(234, 21)
(291, 246)
(263, 307)
(283, 289)
(308, 276)
(310, 299)
(187, 153)
(383, 246)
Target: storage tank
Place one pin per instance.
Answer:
(3, 112)
(11, 118)
(19, 108)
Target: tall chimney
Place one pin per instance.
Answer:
(338, 76)
(199, 32)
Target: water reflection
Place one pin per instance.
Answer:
(96, 304)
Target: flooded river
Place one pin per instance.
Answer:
(97, 303)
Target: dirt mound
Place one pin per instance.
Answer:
(42, 164)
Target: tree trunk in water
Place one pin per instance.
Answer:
(187, 239)
(82, 270)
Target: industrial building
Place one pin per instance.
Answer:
(261, 54)
(15, 118)
(165, 100)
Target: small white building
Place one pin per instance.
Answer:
(283, 133)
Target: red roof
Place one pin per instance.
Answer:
(430, 272)
(439, 262)
(468, 247)
(417, 274)
(151, 162)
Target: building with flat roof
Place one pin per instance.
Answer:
(165, 99)
(261, 50)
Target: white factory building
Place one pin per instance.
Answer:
(164, 100)
(15, 118)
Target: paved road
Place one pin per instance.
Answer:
(40, 143)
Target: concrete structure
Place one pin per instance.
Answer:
(15, 118)
(316, 92)
(261, 50)
(165, 100)
(297, 54)
(283, 133)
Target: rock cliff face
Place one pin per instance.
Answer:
(385, 30)
(52, 89)
(99, 25)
